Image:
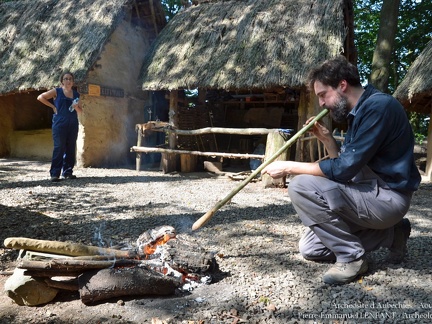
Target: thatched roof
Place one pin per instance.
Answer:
(415, 90)
(246, 44)
(41, 38)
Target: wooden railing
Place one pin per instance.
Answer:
(316, 148)
(165, 127)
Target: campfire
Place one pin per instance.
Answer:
(159, 263)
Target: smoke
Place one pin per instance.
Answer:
(98, 239)
(184, 224)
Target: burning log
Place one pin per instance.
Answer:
(186, 254)
(148, 241)
(105, 284)
(160, 263)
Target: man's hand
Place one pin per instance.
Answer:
(280, 169)
(324, 136)
(277, 169)
(319, 130)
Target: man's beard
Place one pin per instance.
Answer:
(340, 110)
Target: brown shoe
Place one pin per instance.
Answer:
(398, 250)
(344, 272)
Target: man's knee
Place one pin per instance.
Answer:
(313, 255)
(299, 184)
(305, 250)
(312, 249)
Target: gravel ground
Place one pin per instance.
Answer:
(262, 277)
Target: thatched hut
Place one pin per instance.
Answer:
(415, 93)
(103, 42)
(248, 59)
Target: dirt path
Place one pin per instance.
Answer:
(262, 277)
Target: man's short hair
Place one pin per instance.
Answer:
(333, 71)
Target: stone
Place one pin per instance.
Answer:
(28, 291)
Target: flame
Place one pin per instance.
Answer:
(150, 248)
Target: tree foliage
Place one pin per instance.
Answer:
(171, 7)
(413, 33)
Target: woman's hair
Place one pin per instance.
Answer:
(64, 73)
(333, 71)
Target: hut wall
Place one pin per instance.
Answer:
(25, 127)
(107, 126)
(6, 124)
(32, 144)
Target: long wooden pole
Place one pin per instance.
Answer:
(174, 151)
(206, 217)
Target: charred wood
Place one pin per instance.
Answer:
(186, 255)
(95, 286)
(75, 264)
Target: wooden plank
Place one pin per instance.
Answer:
(188, 162)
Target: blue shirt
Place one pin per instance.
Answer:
(379, 135)
(64, 116)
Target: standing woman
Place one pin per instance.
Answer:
(64, 126)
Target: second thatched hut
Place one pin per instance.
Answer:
(248, 61)
(415, 93)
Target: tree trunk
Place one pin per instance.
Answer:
(385, 43)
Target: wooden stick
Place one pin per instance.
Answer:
(72, 264)
(206, 217)
(71, 249)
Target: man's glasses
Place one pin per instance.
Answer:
(67, 79)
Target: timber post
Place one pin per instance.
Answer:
(169, 161)
(138, 155)
(274, 142)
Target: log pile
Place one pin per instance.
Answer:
(160, 263)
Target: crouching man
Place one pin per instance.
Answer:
(355, 201)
